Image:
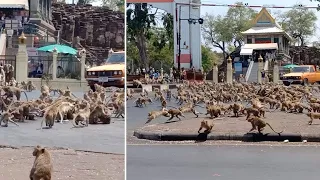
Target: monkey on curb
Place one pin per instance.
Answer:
(42, 167)
(258, 124)
(204, 124)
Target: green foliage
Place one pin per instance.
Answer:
(148, 45)
(300, 23)
(116, 5)
(158, 51)
(209, 58)
(85, 1)
(218, 31)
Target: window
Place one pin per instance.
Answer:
(249, 41)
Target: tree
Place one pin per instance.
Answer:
(82, 2)
(208, 58)
(116, 5)
(219, 31)
(300, 23)
(139, 22)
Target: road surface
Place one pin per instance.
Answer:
(99, 138)
(222, 162)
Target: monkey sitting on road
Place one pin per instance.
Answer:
(142, 101)
(258, 124)
(204, 124)
(42, 166)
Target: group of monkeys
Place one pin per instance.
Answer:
(249, 99)
(95, 106)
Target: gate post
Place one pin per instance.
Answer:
(275, 72)
(229, 70)
(22, 60)
(215, 73)
(54, 64)
(260, 68)
(83, 64)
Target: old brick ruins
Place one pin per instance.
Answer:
(98, 28)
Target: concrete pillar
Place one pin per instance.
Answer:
(83, 65)
(260, 68)
(161, 73)
(9, 35)
(22, 60)
(54, 64)
(229, 70)
(275, 72)
(215, 73)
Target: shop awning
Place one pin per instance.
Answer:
(246, 52)
(265, 46)
(18, 4)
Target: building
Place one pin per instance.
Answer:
(266, 38)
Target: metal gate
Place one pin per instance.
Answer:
(9, 59)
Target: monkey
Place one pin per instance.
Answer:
(154, 114)
(176, 113)
(259, 124)
(236, 109)
(7, 117)
(213, 110)
(42, 167)
(312, 116)
(164, 104)
(142, 101)
(120, 110)
(254, 111)
(82, 117)
(11, 91)
(204, 124)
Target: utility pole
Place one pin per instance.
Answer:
(179, 40)
(190, 21)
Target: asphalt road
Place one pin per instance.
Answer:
(137, 116)
(222, 162)
(99, 138)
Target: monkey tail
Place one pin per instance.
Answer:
(26, 95)
(13, 122)
(74, 95)
(273, 129)
(199, 105)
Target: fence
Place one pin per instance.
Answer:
(68, 67)
(9, 59)
(39, 65)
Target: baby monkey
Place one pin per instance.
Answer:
(204, 125)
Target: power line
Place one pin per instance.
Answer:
(299, 6)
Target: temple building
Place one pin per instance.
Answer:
(266, 38)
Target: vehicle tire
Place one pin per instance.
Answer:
(286, 83)
(305, 82)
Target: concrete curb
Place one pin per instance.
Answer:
(249, 137)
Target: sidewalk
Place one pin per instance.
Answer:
(294, 126)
